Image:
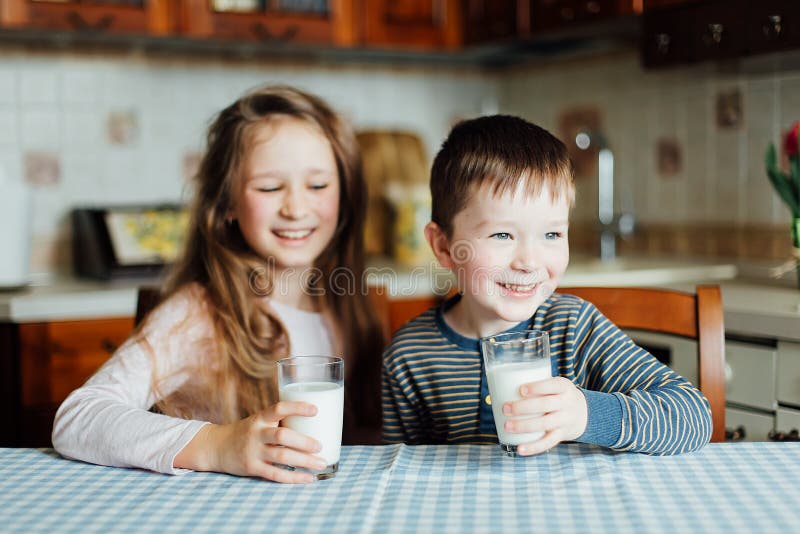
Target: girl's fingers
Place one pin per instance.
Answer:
(545, 423)
(278, 474)
(549, 386)
(286, 437)
(286, 456)
(276, 412)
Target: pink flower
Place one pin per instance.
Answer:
(790, 143)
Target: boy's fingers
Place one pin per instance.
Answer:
(533, 405)
(545, 443)
(548, 386)
(544, 423)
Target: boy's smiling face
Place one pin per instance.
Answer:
(509, 253)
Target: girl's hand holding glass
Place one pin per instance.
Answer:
(251, 446)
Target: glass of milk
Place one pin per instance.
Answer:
(317, 380)
(511, 360)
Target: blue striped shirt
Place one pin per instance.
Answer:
(435, 388)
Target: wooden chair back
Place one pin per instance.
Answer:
(696, 316)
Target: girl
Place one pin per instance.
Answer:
(276, 221)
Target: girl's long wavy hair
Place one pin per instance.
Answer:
(248, 337)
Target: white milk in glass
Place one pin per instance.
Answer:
(326, 426)
(505, 380)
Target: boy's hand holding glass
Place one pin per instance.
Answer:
(533, 411)
(561, 410)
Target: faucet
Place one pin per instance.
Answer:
(611, 225)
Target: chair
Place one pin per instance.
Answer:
(695, 316)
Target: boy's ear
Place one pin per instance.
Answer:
(440, 244)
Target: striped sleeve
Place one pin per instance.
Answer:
(662, 413)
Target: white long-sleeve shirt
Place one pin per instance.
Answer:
(106, 421)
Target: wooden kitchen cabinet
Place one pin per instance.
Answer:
(552, 14)
(144, 17)
(679, 32)
(334, 24)
(414, 24)
(43, 363)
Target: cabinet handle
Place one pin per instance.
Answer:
(714, 34)
(773, 27)
(593, 7)
(662, 43)
(79, 23)
(264, 35)
(735, 434)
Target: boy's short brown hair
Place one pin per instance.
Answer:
(498, 150)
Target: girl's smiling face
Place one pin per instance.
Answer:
(509, 253)
(287, 203)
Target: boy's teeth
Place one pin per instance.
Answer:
(514, 287)
(293, 234)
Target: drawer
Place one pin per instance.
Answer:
(682, 352)
(751, 371)
(789, 372)
(756, 426)
(57, 357)
(787, 419)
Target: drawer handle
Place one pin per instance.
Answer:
(792, 435)
(263, 34)
(567, 13)
(593, 7)
(80, 23)
(735, 434)
(773, 27)
(714, 35)
(662, 43)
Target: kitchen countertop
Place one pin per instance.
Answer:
(751, 307)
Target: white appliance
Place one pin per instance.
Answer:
(15, 232)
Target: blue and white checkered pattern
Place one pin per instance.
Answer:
(397, 488)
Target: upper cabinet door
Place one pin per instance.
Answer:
(151, 17)
(320, 22)
(489, 20)
(772, 25)
(553, 14)
(413, 24)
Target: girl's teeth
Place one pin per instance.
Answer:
(293, 234)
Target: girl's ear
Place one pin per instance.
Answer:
(440, 244)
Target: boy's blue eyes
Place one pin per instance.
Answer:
(505, 235)
(502, 235)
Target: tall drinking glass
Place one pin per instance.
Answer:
(511, 360)
(318, 380)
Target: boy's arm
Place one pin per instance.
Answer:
(400, 419)
(632, 396)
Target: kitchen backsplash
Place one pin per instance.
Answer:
(99, 129)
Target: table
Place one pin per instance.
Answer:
(728, 487)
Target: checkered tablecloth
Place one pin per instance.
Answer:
(742, 487)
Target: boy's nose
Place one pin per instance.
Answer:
(525, 259)
(294, 205)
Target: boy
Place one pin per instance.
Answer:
(501, 191)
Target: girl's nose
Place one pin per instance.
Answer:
(294, 205)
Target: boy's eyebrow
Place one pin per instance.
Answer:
(512, 222)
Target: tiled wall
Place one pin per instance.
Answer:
(720, 185)
(98, 128)
(105, 129)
